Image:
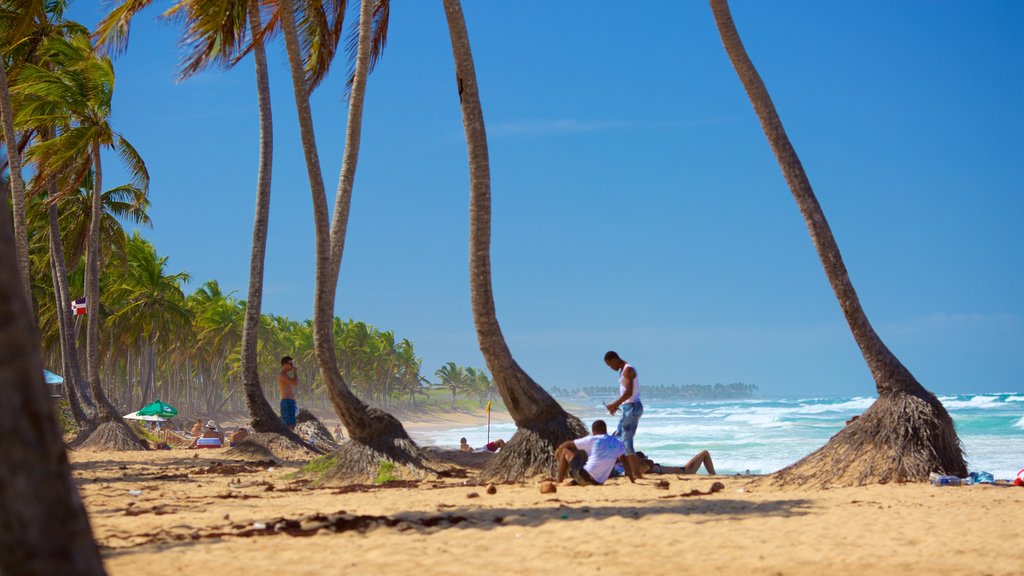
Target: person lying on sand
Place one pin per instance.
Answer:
(691, 467)
(489, 447)
(590, 459)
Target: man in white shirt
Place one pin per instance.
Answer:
(590, 459)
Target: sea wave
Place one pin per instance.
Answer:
(980, 401)
(1014, 399)
(1019, 423)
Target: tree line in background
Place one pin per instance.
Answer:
(185, 348)
(687, 392)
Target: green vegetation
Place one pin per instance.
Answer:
(386, 472)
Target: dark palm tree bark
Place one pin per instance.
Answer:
(907, 433)
(43, 526)
(112, 433)
(264, 419)
(374, 434)
(542, 422)
(69, 348)
(17, 183)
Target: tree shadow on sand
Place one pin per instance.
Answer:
(698, 511)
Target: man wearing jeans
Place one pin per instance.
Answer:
(288, 380)
(629, 401)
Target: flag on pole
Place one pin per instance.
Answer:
(78, 306)
(488, 408)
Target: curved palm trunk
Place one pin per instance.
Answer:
(17, 184)
(907, 433)
(105, 409)
(112, 432)
(374, 432)
(542, 422)
(264, 419)
(69, 348)
(43, 525)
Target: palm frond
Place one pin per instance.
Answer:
(111, 35)
(133, 162)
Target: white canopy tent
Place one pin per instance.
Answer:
(135, 416)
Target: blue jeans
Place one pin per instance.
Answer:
(288, 409)
(631, 414)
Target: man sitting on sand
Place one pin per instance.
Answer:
(239, 435)
(590, 459)
(211, 438)
(691, 467)
(197, 428)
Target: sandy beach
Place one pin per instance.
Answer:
(204, 512)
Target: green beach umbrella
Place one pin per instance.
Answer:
(158, 408)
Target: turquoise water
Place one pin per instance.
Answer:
(763, 436)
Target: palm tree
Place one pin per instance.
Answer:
(76, 97)
(147, 303)
(43, 525)
(17, 19)
(907, 433)
(454, 378)
(374, 434)
(542, 422)
(215, 32)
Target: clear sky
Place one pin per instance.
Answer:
(637, 205)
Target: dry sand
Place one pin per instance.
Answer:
(193, 518)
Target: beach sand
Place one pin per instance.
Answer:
(201, 512)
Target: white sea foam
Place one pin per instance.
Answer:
(979, 401)
(1019, 423)
(1014, 399)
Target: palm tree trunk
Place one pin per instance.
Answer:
(43, 525)
(907, 433)
(374, 433)
(542, 422)
(264, 419)
(112, 433)
(17, 184)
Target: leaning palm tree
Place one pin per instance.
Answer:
(43, 525)
(907, 433)
(541, 421)
(215, 32)
(375, 435)
(75, 97)
(17, 21)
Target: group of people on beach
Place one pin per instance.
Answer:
(593, 459)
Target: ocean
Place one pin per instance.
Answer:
(765, 435)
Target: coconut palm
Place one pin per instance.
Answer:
(147, 304)
(375, 434)
(542, 423)
(17, 21)
(75, 98)
(43, 525)
(907, 433)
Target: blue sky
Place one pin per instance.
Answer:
(637, 205)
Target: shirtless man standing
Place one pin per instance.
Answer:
(288, 380)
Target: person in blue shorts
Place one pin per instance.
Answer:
(288, 381)
(629, 401)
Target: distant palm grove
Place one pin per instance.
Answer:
(688, 392)
(185, 348)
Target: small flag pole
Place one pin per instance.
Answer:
(488, 421)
